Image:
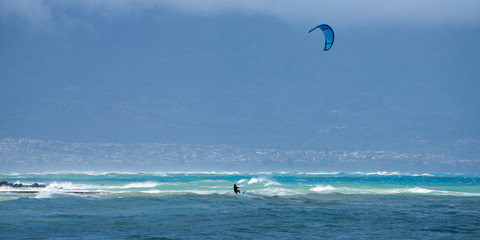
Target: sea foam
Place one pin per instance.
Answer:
(322, 188)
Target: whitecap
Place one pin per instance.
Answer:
(141, 185)
(383, 173)
(269, 183)
(320, 173)
(152, 191)
(419, 190)
(241, 181)
(266, 182)
(276, 192)
(322, 188)
(69, 186)
(44, 195)
(255, 180)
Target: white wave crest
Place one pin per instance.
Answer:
(152, 191)
(383, 173)
(44, 195)
(264, 181)
(322, 188)
(242, 181)
(419, 190)
(68, 186)
(171, 192)
(276, 191)
(141, 185)
(319, 173)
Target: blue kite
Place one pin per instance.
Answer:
(329, 36)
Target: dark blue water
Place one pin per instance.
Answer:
(219, 216)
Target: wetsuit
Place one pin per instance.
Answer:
(235, 189)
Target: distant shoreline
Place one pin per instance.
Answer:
(35, 192)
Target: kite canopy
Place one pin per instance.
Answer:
(329, 36)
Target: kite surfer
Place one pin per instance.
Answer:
(235, 189)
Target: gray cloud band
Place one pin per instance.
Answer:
(349, 12)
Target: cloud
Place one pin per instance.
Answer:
(350, 12)
(345, 11)
(34, 11)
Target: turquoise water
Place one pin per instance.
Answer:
(275, 205)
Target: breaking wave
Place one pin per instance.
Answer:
(264, 184)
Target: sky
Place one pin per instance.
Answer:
(401, 75)
(339, 12)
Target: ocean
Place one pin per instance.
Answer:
(378, 205)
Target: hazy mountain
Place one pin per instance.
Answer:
(244, 79)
